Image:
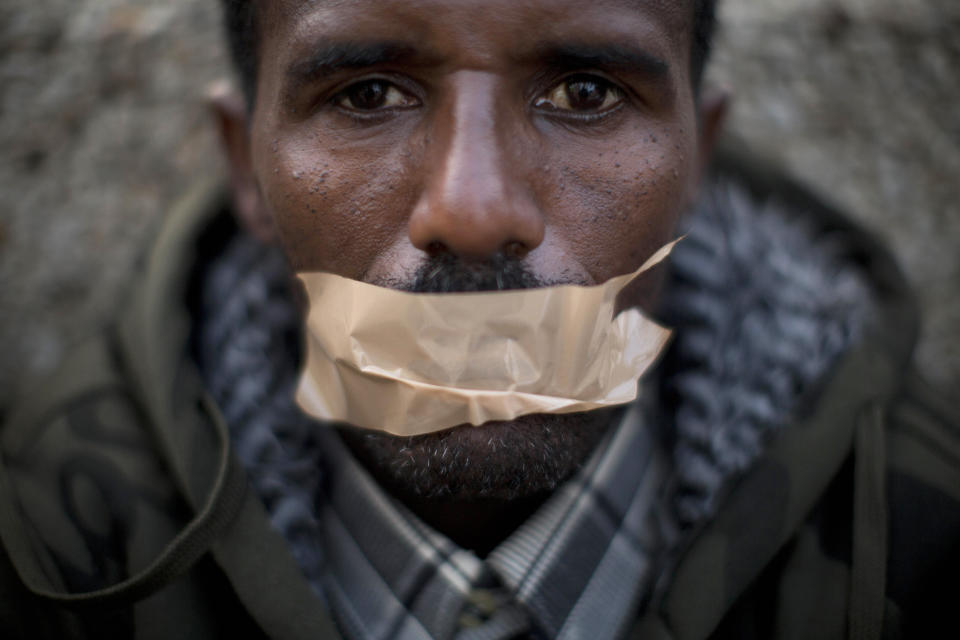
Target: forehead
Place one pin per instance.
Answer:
(468, 24)
(293, 7)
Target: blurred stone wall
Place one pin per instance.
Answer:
(861, 99)
(102, 125)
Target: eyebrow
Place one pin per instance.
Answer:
(332, 57)
(622, 57)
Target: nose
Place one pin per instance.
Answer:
(475, 202)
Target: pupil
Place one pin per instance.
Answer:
(585, 94)
(370, 95)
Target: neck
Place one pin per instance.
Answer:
(479, 525)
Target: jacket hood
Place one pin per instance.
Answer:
(779, 302)
(769, 291)
(785, 351)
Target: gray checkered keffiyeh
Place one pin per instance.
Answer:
(578, 568)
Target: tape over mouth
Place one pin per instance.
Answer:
(415, 363)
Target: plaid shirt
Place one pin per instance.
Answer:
(580, 567)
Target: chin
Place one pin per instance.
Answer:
(508, 460)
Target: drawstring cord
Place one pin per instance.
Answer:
(217, 513)
(868, 579)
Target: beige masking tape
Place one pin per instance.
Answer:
(415, 363)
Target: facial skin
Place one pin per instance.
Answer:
(556, 135)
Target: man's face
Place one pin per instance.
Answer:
(555, 136)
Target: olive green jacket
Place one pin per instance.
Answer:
(124, 513)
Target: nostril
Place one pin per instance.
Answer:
(515, 249)
(436, 248)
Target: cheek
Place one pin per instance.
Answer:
(615, 204)
(336, 208)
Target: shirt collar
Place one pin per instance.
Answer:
(582, 564)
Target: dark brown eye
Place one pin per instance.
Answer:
(585, 95)
(371, 95)
(581, 93)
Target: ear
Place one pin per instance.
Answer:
(712, 116)
(231, 117)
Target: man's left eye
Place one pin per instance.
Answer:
(581, 93)
(371, 95)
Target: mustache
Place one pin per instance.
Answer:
(447, 273)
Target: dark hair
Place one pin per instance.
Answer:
(243, 40)
(240, 23)
(704, 24)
